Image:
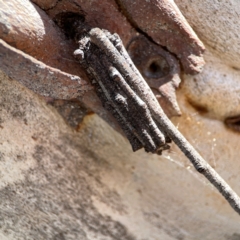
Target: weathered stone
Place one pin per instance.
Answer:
(59, 183)
(161, 71)
(87, 184)
(164, 23)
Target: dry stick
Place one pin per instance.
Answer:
(115, 93)
(133, 97)
(135, 110)
(96, 77)
(136, 81)
(117, 42)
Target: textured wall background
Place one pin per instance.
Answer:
(61, 183)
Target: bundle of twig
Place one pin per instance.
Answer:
(124, 92)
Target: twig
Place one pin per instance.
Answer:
(125, 93)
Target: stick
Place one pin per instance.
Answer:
(126, 80)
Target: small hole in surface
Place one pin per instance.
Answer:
(157, 68)
(68, 21)
(200, 108)
(154, 67)
(233, 123)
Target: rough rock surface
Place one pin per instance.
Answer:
(59, 183)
